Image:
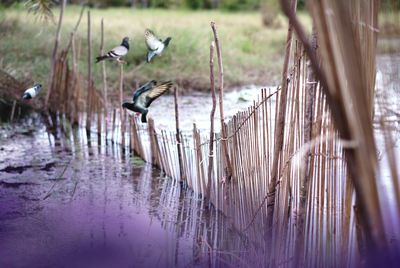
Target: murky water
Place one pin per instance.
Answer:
(196, 108)
(67, 200)
(73, 202)
(388, 107)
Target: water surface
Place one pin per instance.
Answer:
(77, 202)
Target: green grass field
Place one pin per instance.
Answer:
(252, 53)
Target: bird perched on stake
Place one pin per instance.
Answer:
(145, 95)
(155, 45)
(116, 53)
(32, 92)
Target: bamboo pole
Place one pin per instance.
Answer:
(89, 79)
(279, 132)
(103, 66)
(13, 111)
(121, 99)
(178, 138)
(228, 166)
(73, 82)
(354, 125)
(214, 104)
(306, 174)
(54, 54)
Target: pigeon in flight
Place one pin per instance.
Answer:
(117, 52)
(145, 95)
(32, 92)
(155, 45)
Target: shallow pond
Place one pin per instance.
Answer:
(67, 200)
(73, 202)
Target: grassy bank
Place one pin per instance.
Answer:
(252, 53)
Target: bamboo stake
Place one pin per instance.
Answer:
(103, 66)
(305, 177)
(89, 79)
(355, 125)
(121, 99)
(114, 119)
(178, 138)
(13, 111)
(214, 104)
(228, 170)
(279, 132)
(99, 119)
(54, 54)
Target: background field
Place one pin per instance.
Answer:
(252, 53)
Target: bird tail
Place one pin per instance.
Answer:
(150, 55)
(26, 96)
(100, 58)
(144, 117)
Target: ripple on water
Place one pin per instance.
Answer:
(88, 205)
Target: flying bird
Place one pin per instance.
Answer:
(117, 52)
(155, 45)
(145, 95)
(32, 92)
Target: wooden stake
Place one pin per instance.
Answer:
(306, 174)
(178, 138)
(121, 99)
(279, 133)
(214, 104)
(89, 79)
(13, 111)
(228, 170)
(103, 66)
(54, 54)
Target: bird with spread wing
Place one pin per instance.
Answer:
(145, 95)
(155, 45)
(116, 53)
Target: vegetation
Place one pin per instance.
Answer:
(252, 53)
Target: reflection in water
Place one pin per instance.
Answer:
(96, 206)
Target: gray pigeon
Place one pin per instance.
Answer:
(145, 95)
(32, 92)
(117, 52)
(155, 45)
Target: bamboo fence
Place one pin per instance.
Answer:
(287, 171)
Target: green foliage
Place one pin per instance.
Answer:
(301, 4)
(390, 4)
(160, 4)
(235, 5)
(41, 8)
(194, 4)
(109, 3)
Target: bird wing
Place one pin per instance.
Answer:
(149, 85)
(31, 91)
(156, 92)
(152, 41)
(118, 51)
